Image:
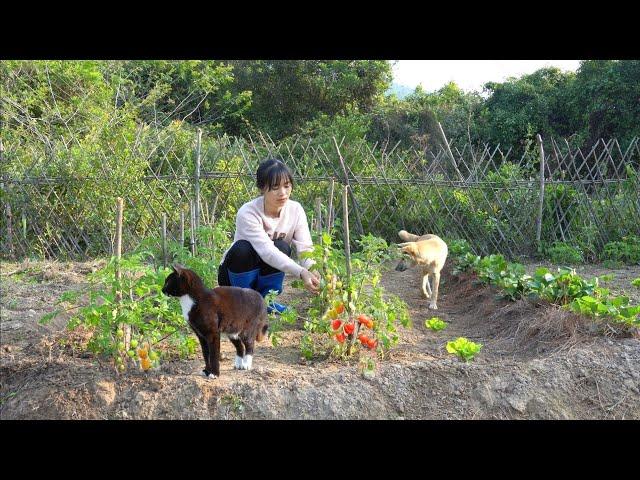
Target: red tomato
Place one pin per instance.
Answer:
(340, 337)
(336, 324)
(349, 328)
(363, 339)
(371, 343)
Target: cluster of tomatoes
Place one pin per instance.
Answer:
(142, 353)
(349, 327)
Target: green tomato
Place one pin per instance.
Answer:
(120, 345)
(134, 343)
(131, 353)
(153, 356)
(120, 333)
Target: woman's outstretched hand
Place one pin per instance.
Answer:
(311, 280)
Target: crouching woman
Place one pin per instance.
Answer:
(266, 229)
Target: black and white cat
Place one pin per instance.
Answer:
(240, 313)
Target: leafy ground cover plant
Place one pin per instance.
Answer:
(564, 288)
(435, 324)
(465, 349)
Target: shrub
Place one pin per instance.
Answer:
(626, 251)
(561, 252)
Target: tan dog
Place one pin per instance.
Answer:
(430, 252)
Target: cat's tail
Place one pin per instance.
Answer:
(262, 332)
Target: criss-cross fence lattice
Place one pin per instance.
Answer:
(59, 196)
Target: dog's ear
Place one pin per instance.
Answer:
(408, 247)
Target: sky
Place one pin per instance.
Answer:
(468, 74)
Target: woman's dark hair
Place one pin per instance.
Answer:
(271, 173)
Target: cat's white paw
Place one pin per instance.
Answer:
(247, 360)
(208, 375)
(433, 306)
(211, 375)
(238, 362)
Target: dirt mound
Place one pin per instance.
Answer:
(536, 362)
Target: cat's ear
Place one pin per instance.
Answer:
(178, 268)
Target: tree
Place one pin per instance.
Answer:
(286, 94)
(196, 91)
(520, 108)
(605, 100)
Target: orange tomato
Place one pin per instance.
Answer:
(340, 308)
(145, 363)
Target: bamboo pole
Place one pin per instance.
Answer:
(164, 240)
(213, 211)
(347, 256)
(118, 254)
(446, 142)
(319, 215)
(196, 192)
(9, 229)
(192, 240)
(330, 210)
(346, 180)
(9, 239)
(541, 200)
(182, 228)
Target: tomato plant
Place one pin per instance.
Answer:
(351, 307)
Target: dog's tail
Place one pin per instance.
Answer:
(408, 237)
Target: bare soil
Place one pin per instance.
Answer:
(537, 362)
